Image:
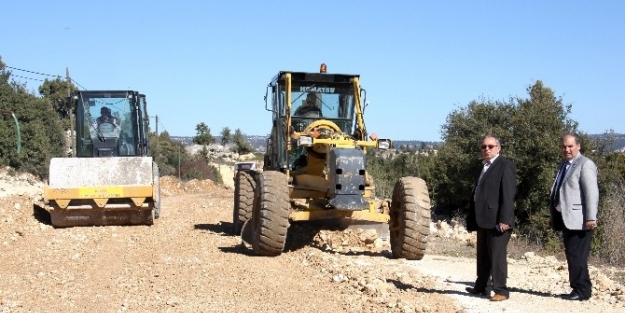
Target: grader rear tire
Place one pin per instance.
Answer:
(410, 218)
(271, 214)
(244, 186)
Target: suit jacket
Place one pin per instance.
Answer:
(579, 195)
(494, 199)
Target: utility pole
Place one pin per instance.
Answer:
(71, 113)
(155, 148)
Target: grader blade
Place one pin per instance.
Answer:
(380, 228)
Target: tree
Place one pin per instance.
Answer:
(226, 136)
(203, 137)
(56, 91)
(610, 234)
(386, 169)
(167, 153)
(538, 121)
(529, 130)
(459, 157)
(197, 168)
(41, 133)
(241, 146)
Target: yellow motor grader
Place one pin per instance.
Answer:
(315, 168)
(110, 179)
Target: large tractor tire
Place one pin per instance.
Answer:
(244, 187)
(410, 218)
(271, 213)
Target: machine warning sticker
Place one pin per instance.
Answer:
(101, 193)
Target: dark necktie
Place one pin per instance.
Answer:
(556, 189)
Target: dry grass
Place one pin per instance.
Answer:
(612, 224)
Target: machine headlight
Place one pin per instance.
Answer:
(384, 144)
(305, 141)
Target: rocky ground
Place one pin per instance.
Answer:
(188, 262)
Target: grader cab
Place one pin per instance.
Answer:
(315, 168)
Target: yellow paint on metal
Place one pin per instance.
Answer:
(321, 124)
(100, 202)
(138, 201)
(344, 143)
(62, 203)
(101, 192)
(100, 195)
(327, 214)
(287, 86)
(305, 194)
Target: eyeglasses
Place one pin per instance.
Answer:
(488, 146)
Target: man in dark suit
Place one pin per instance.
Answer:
(574, 205)
(491, 214)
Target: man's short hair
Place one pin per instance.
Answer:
(497, 141)
(574, 135)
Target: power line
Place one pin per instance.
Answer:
(163, 126)
(75, 82)
(32, 72)
(24, 77)
(43, 74)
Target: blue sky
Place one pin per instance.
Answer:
(210, 61)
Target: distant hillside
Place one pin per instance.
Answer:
(259, 142)
(619, 141)
(415, 144)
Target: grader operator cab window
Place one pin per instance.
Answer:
(328, 105)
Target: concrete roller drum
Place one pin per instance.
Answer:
(103, 191)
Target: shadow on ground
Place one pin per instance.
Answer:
(223, 228)
(41, 215)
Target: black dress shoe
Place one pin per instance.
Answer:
(474, 291)
(574, 296)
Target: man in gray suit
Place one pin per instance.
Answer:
(573, 205)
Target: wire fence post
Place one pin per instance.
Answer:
(17, 129)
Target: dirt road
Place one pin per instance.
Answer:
(189, 262)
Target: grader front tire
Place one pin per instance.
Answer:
(271, 214)
(410, 218)
(244, 186)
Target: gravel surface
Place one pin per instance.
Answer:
(189, 262)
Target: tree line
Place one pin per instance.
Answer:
(529, 130)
